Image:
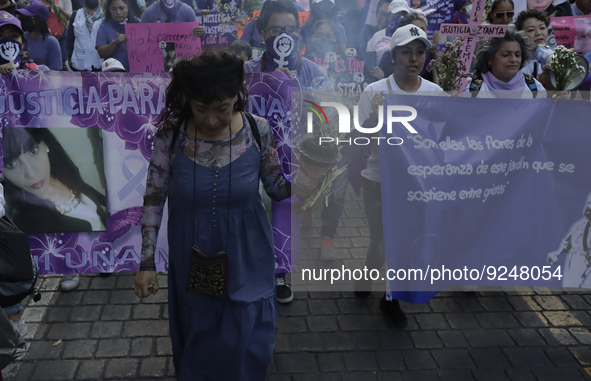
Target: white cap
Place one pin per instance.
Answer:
(401, 6)
(406, 34)
(111, 64)
(317, 1)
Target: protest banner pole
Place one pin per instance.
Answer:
(470, 33)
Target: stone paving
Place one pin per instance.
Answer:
(101, 331)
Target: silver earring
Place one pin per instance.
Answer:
(47, 149)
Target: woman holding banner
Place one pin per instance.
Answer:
(499, 64)
(408, 49)
(207, 161)
(111, 41)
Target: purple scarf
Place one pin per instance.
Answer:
(517, 83)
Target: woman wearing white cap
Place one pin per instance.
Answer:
(408, 49)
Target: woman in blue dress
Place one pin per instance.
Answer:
(207, 161)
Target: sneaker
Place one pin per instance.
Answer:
(307, 220)
(327, 251)
(19, 326)
(70, 282)
(284, 293)
(393, 311)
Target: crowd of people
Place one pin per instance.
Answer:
(205, 134)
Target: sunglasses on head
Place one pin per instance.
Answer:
(501, 15)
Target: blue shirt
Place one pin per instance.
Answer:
(252, 35)
(108, 31)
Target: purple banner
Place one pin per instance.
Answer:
(126, 108)
(483, 195)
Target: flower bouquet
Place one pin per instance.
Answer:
(565, 66)
(317, 169)
(449, 67)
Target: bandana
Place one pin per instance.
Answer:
(10, 52)
(282, 51)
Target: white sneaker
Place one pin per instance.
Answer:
(20, 327)
(70, 282)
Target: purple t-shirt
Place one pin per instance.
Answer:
(311, 76)
(108, 31)
(252, 35)
(155, 14)
(44, 51)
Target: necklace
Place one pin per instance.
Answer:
(69, 205)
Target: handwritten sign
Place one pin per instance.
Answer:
(471, 32)
(220, 29)
(154, 48)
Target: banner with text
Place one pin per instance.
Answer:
(488, 192)
(126, 107)
(155, 47)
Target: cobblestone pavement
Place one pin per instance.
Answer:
(101, 331)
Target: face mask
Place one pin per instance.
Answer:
(28, 24)
(320, 48)
(91, 4)
(168, 3)
(10, 52)
(469, 9)
(282, 51)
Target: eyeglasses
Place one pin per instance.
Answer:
(277, 30)
(501, 15)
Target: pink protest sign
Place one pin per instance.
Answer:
(573, 32)
(471, 32)
(154, 48)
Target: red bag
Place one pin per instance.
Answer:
(56, 27)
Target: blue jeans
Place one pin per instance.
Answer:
(15, 309)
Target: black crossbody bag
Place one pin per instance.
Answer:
(209, 273)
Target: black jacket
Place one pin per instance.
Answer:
(33, 219)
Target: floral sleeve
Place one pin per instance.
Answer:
(155, 197)
(276, 183)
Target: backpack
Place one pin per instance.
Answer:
(476, 84)
(18, 273)
(54, 23)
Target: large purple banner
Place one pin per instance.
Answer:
(488, 192)
(119, 113)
